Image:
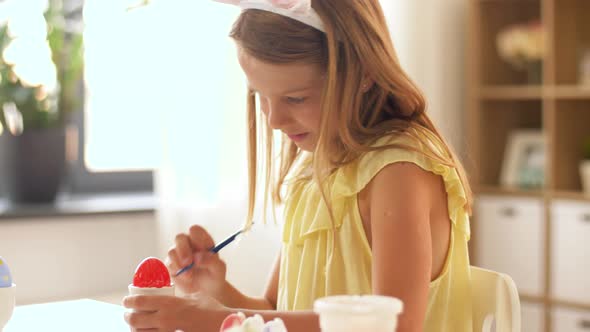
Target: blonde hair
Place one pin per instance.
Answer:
(355, 46)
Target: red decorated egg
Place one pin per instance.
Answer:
(233, 320)
(151, 273)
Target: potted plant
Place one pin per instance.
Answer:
(38, 92)
(585, 167)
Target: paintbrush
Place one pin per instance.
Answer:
(215, 249)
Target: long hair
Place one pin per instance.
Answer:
(355, 46)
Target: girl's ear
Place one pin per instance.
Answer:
(367, 84)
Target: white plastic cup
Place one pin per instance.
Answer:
(350, 313)
(7, 303)
(152, 291)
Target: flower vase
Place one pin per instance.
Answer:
(32, 165)
(534, 72)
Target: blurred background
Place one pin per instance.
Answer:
(122, 123)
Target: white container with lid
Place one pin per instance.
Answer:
(348, 313)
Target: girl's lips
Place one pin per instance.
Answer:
(298, 138)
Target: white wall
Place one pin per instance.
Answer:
(72, 257)
(429, 36)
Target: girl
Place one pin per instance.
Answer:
(375, 200)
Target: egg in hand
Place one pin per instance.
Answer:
(5, 278)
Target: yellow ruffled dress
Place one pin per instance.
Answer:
(307, 272)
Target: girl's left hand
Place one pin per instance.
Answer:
(197, 312)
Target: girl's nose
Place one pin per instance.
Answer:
(277, 116)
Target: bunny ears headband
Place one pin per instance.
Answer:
(299, 10)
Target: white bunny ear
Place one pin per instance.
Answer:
(297, 6)
(231, 2)
(302, 6)
(299, 10)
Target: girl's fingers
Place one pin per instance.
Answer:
(200, 240)
(173, 261)
(141, 320)
(184, 250)
(210, 262)
(173, 264)
(146, 303)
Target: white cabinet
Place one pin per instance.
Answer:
(570, 251)
(532, 317)
(569, 320)
(509, 237)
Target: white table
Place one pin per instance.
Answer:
(69, 316)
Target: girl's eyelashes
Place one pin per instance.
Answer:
(296, 100)
(289, 100)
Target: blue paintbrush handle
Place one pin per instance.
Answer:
(225, 242)
(214, 250)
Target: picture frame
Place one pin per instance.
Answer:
(523, 166)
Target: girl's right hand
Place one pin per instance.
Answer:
(208, 272)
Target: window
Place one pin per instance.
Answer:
(143, 62)
(122, 80)
(117, 129)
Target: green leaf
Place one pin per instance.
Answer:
(67, 55)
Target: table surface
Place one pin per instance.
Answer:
(68, 316)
